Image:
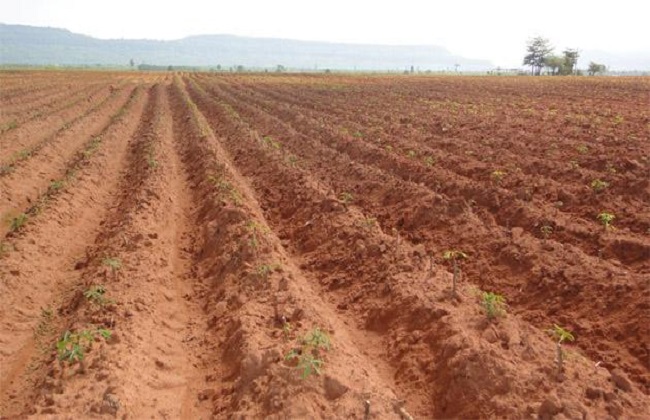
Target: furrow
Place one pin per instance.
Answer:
(440, 222)
(24, 187)
(44, 258)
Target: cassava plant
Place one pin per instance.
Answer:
(264, 270)
(17, 222)
(454, 257)
(256, 231)
(429, 160)
(498, 176)
(368, 222)
(96, 295)
(5, 248)
(598, 185)
(286, 329)
(72, 346)
(346, 198)
(561, 335)
(494, 305)
(606, 219)
(310, 353)
(114, 263)
(546, 231)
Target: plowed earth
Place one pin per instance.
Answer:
(214, 223)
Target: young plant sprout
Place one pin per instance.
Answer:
(454, 256)
(310, 354)
(546, 231)
(606, 219)
(494, 305)
(561, 335)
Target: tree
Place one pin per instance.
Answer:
(554, 63)
(595, 68)
(538, 50)
(132, 63)
(570, 60)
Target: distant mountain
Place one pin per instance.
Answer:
(31, 45)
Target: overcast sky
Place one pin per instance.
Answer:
(492, 29)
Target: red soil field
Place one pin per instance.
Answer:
(271, 245)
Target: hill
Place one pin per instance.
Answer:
(29, 45)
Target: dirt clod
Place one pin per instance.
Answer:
(334, 389)
(621, 380)
(549, 408)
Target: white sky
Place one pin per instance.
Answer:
(492, 29)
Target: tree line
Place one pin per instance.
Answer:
(540, 55)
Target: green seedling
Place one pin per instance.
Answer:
(597, 185)
(411, 154)
(23, 154)
(310, 354)
(346, 198)
(96, 295)
(235, 197)
(286, 329)
(317, 339)
(583, 149)
(44, 326)
(606, 219)
(92, 146)
(9, 126)
(561, 335)
(57, 185)
(151, 161)
(7, 169)
(429, 161)
(292, 160)
(494, 304)
(218, 182)
(225, 188)
(113, 263)
(498, 176)
(368, 222)
(618, 120)
(255, 227)
(17, 222)
(268, 140)
(358, 134)
(264, 270)
(546, 231)
(308, 364)
(72, 346)
(5, 248)
(256, 230)
(215, 180)
(454, 257)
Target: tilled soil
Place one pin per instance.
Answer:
(272, 246)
